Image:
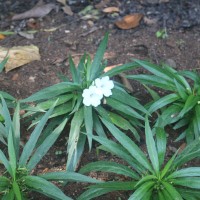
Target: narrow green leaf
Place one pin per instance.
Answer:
(16, 127)
(96, 64)
(9, 196)
(168, 165)
(151, 146)
(88, 119)
(106, 166)
(161, 142)
(4, 183)
(2, 64)
(98, 126)
(117, 105)
(17, 191)
(164, 101)
(73, 70)
(181, 90)
(190, 182)
(12, 155)
(188, 172)
(5, 162)
(94, 192)
(52, 91)
(41, 185)
(128, 144)
(69, 176)
(120, 69)
(45, 146)
(30, 145)
(146, 178)
(189, 104)
(141, 192)
(172, 191)
(74, 135)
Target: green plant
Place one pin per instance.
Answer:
(180, 105)
(162, 33)
(85, 100)
(17, 179)
(149, 177)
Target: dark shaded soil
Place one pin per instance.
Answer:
(181, 49)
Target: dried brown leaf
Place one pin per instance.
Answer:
(2, 36)
(62, 2)
(37, 11)
(19, 55)
(67, 10)
(110, 9)
(129, 21)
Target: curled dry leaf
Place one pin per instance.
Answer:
(67, 10)
(19, 55)
(110, 9)
(129, 21)
(37, 11)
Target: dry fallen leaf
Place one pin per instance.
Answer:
(106, 69)
(110, 9)
(2, 36)
(129, 21)
(62, 2)
(67, 10)
(19, 55)
(37, 11)
(102, 4)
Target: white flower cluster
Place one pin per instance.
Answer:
(99, 88)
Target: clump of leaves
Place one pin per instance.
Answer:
(150, 176)
(119, 107)
(17, 178)
(181, 104)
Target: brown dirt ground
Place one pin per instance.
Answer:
(181, 48)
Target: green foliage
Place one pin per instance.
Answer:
(17, 179)
(117, 108)
(181, 105)
(148, 176)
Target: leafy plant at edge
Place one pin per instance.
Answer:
(181, 105)
(120, 108)
(149, 177)
(17, 178)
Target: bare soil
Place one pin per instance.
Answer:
(74, 36)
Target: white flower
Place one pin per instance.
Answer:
(105, 85)
(92, 96)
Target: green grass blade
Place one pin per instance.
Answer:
(30, 145)
(69, 176)
(151, 146)
(88, 120)
(96, 64)
(41, 185)
(129, 145)
(98, 126)
(181, 90)
(45, 146)
(52, 91)
(105, 166)
(4, 183)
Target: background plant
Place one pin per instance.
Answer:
(17, 179)
(150, 177)
(119, 108)
(180, 105)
